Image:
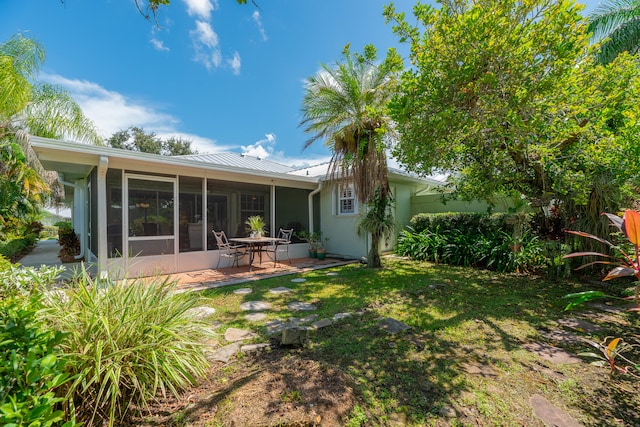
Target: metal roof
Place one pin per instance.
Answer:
(238, 160)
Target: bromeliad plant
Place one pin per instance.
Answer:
(626, 264)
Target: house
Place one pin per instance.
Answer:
(138, 214)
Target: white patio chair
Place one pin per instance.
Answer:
(280, 247)
(227, 250)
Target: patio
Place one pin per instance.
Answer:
(46, 253)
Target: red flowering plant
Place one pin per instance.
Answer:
(625, 264)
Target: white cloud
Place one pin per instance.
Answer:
(205, 44)
(111, 111)
(204, 34)
(262, 148)
(159, 45)
(258, 20)
(235, 63)
(201, 8)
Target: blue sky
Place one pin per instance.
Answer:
(226, 76)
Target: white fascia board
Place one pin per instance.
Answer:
(73, 152)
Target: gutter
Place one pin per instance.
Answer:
(313, 193)
(80, 188)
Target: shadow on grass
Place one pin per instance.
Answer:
(462, 352)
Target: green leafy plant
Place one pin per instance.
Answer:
(314, 239)
(20, 280)
(255, 225)
(126, 343)
(611, 352)
(31, 370)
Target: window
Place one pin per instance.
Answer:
(346, 199)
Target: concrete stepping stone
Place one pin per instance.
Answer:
(301, 306)
(613, 309)
(332, 273)
(393, 326)
(322, 323)
(295, 335)
(235, 334)
(276, 326)
(550, 414)
(255, 348)
(307, 319)
(201, 312)
(216, 324)
(482, 370)
(224, 354)
(552, 354)
(280, 290)
(298, 280)
(579, 325)
(561, 337)
(255, 317)
(243, 291)
(340, 316)
(255, 306)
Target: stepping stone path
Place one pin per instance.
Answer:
(235, 334)
(280, 290)
(255, 317)
(276, 326)
(580, 325)
(322, 323)
(474, 368)
(254, 348)
(202, 312)
(340, 316)
(225, 353)
(332, 273)
(393, 326)
(243, 291)
(301, 306)
(551, 415)
(561, 337)
(298, 280)
(255, 306)
(553, 354)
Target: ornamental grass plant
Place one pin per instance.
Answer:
(125, 344)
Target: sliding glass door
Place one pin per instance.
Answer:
(151, 222)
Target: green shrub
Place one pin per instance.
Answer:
(126, 343)
(30, 368)
(19, 280)
(476, 240)
(49, 232)
(14, 247)
(69, 243)
(5, 264)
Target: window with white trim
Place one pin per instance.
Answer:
(347, 204)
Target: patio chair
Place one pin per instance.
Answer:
(281, 246)
(227, 250)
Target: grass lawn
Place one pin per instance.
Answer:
(461, 363)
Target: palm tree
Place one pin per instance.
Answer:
(30, 108)
(346, 106)
(617, 24)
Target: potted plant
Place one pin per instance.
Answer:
(255, 225)
(321, 251)
(314, 242)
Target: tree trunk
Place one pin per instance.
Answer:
(374, 260)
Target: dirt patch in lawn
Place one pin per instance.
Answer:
(269, 389)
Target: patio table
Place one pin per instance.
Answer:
(255, 244)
